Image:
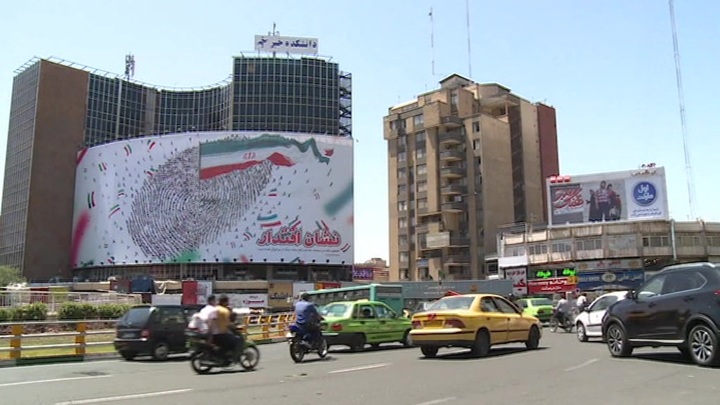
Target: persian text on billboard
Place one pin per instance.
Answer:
(215, 197)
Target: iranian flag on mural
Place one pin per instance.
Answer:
(225, 156)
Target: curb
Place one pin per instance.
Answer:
(34, 361)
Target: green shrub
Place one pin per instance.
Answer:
(36, 311)
(5, 314)
(78, 311)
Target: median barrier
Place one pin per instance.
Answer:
(21, 344)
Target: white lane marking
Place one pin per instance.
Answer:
(438, 401)
(579, 366)
(361, 368)
(53, 380)
(123, 397)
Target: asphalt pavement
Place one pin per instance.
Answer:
(562, 371)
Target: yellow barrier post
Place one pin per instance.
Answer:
(80, 339)
(15, 342)
(265, 321)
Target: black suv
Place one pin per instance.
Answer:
(679, 306)
(155, 330)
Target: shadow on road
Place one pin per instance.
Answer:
(466, 355)
(369, 349)
(664, 357)
(173, 359)
(316, 359)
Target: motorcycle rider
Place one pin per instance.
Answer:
(200, 321)
(307, 318)
(220, 326)
(562, 310)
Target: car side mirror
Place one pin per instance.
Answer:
(631, 295)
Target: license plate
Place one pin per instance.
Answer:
(128, 335)
(433, 324)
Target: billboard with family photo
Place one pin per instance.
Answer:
(633, 195)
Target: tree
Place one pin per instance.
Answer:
(10, 275)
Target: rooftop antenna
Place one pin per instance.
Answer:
(432, 41)
(129, 66)
(274, 33)
(467, 23)
(683, 124)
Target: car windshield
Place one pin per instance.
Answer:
(541, 301)
(135, 317)
(451, 303)
(334, 310)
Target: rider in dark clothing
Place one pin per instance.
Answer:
(307, 317)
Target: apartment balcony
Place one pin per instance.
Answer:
(452, 155)
(451, 138)
(395, 133)
(451, 121)
(452, 172)
(459, 241)
(457, 260)
(453, 189)
(454, 206)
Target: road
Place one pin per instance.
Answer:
(562, 371)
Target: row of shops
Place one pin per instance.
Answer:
(588, 275)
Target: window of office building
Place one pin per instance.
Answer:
(422, 203)
(656, 241)
(420, 137)
(422, 186)
(588, 244)
(402, 156)
(402, 206)
(420, 153)
(421, 169)
(402, 223)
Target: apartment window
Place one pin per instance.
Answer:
(403, 242)
(402, 189)
(418, 119)
(420, 137)
(402, 206)
(562, 247)
(454, 98)
(713, 240)
(476, 126)
(537, 249)
(422, 203)
(476, 144)
(402, 174)
(413, 222)
(401, 141)
(402, 156)
(420, 153)
(421, 169)
(404, 256)
(588, 244)
(689, 240)
(656, 241)
(422, 186)
(515, 251)
(402, 223)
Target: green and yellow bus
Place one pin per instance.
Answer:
(389, 294)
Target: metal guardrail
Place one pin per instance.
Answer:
(257, 327)
(54, 299)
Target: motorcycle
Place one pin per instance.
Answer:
(205, 356)
(299, 347)
(567, 324)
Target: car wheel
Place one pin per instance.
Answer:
(407, 340)
(161, 351)
(359, 343)
(481, 346)
(581, 333)
(429, 351)
(703, 345)
(617, 341)
(533, 341)
(128, 355)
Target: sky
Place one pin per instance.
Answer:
(607, 67)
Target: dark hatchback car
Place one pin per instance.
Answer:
(155, 330)
(679, 306)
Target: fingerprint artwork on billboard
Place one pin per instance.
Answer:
(617, 196)
(215, 197)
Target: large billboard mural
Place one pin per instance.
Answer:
(634, 195)
(215, 197)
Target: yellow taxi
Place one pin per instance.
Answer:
(474, 321)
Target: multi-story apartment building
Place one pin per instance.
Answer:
(600, 256)
(463, 160)
(58, 108)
